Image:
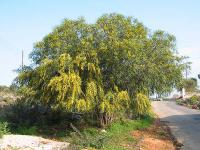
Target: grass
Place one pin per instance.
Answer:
(117, 136)
(120, 131)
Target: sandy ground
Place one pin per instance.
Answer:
(183, 122)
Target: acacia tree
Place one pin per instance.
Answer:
(75, 85)
(138, 60)
(102, 68)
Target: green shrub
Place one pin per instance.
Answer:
(194, 99)
(91, 137)
(190, 84)
(24, 112)
(192, 102)
(28, 113)
(4, 128)
(179, 102)
(23, 130)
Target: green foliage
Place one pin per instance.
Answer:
(22, 112)
(6, 89)
(23, 130)
(4, 129)
(179, 102)
(99, 69)
(142, 105)
(109, 140)
(7, 95)
(192, 102)
(69, 90)
(90, 138)
(190, 84)
(25, 113)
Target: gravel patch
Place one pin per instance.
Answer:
(25, 142)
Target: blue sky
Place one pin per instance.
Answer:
(24, 22)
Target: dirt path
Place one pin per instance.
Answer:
(183, 122)
(156, 137)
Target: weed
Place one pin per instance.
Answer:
(4, 129)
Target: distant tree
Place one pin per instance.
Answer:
(190, 84)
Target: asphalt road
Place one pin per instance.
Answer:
(183, 122)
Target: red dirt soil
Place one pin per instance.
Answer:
(157, 137)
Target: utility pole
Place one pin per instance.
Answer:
(22, 58)
(186, 73)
